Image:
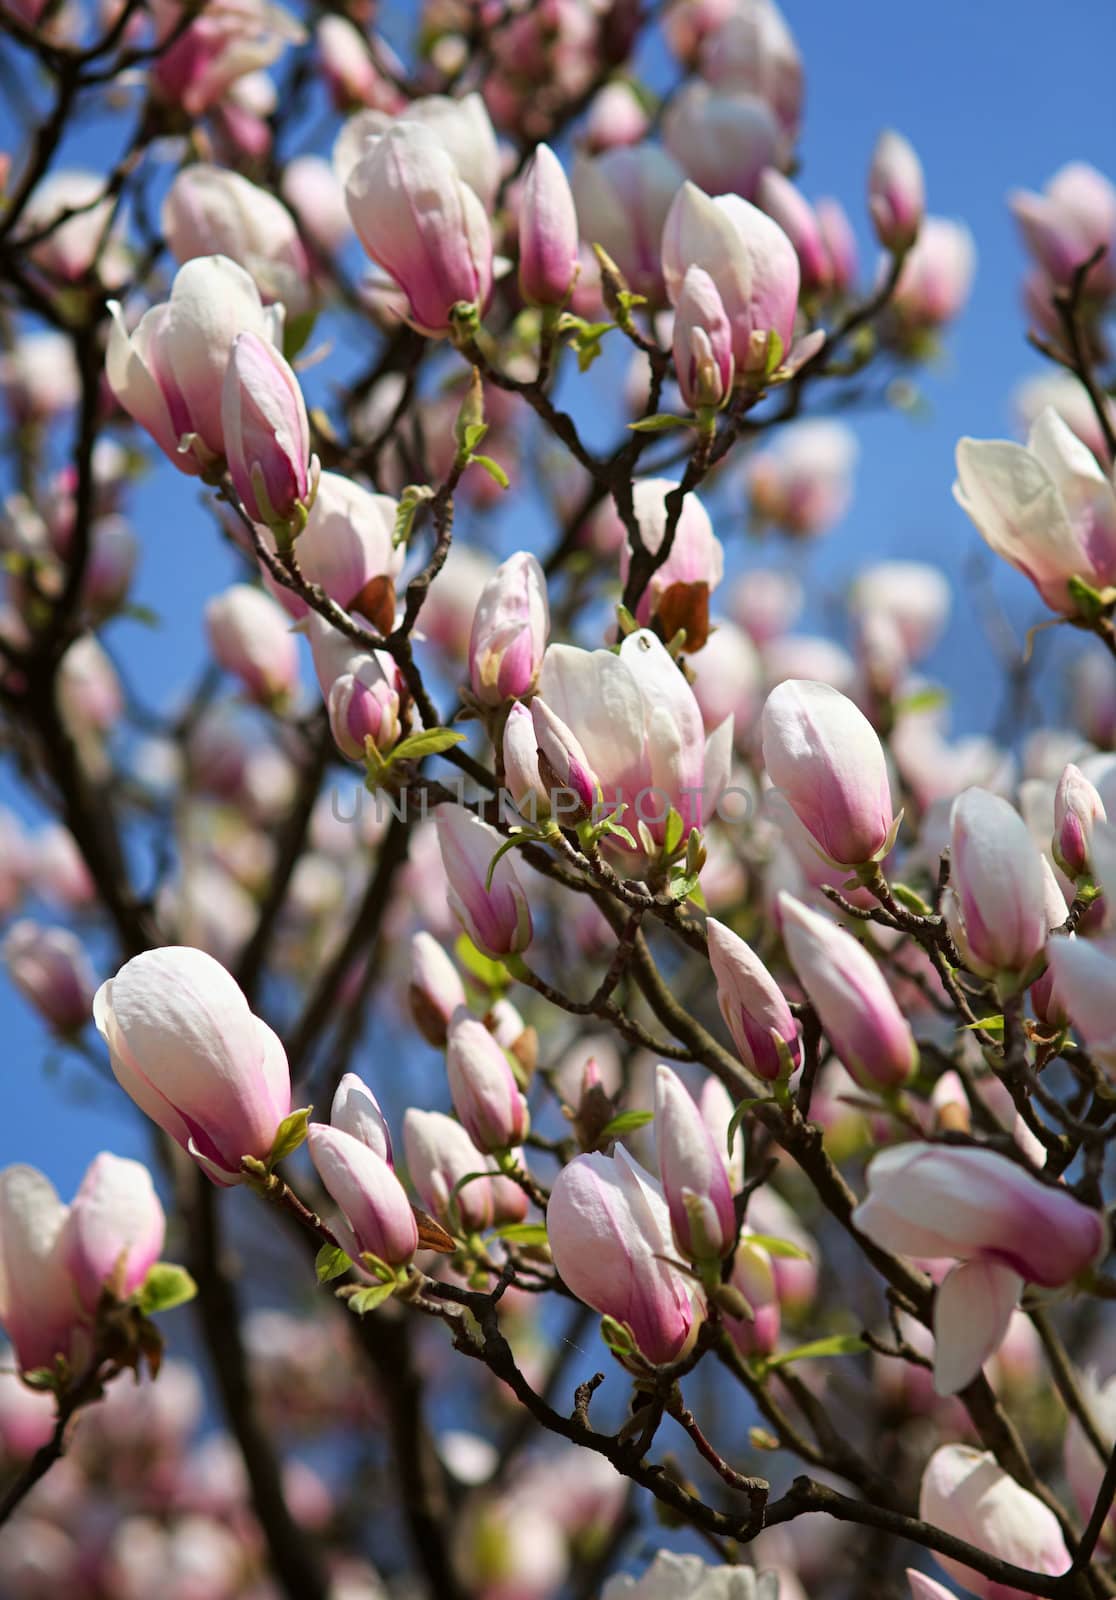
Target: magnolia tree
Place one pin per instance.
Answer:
(720, 1206)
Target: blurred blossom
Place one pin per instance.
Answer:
(722, 141)
(39, 376)
(209, 211)
(937, 276)
(622, 200)
(616, 117)
(802, 482)
(1069, 221)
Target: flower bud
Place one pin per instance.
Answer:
(347, 548)
(510, 628)
(1084, 978)
(825, 758)
(968, 1494)
(521, 764)
(37, 1304)
(789, 207)
(996, 904)
(679, 589)
(1077, 806)
(616, 117)
(936, 277)
(753, 1276)
(548, 238)
(839, 241)
(693, 1174)
(623, 198)
(702, 336)
(563, 766)
(755, 1009)
(211, 211)
(420, 221)
(896, 192)
(1069, 222)
(609, 1230)
(857, 1010)
(485, 1094)
(436, 990)
(51, 970)
(495, 914)
(750, 260)
(114, 1231)
(439, 1155)
(250, 636)
(186, 1048)
(364, 703)
(356, 1111)
(267, 437)
(377, 1214)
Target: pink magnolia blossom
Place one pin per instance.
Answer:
(267, 436)
(423, 224)
(485, 1094)
(858, 1012)
(722, 141)
(436, 990)
(495, 914)
(750, 260)
(896, 192)
(967, 1493)
(251, 637)
(114, 1230)
(609, 1227)
(510, 627)
(211, 211)
(377, 1215)
(51, 970)
(984, 1211)
(825, 759)
(439, 1155)
(356, 1111)
(997, 894)
(1063, 226)
(548, 237)
(1049, 509)
(702, 342)
(38, 1305)
(622, 199)
(755, 1009)
(168, 374)
(694, 1178)
(186, 1048)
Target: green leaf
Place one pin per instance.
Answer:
(164, 1287)
(618, 1336)
(913, 902)
(368, 1299)
(682, 888)
(672, 833)
(429, 742)
(838, 1344)
(782, 1248)
(1089, 601)
(488, 972)
(928, 699)
(143, 614)
(473, 435)
(46, 1379)
(290, 1134)
(740, 1113)
(989, 1024)
(523, 1232)
(662, 422)
(493, 468)
(409, 501)
(626, 1122)
(330, 1262)
(296, 332)
(774, 354)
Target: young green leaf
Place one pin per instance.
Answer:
(165, 1286)
(330, 1262)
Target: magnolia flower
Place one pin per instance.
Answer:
(695, 1180)
(510, 628)
(609, 1229)
(675, 1577)
(211, 211)
(1048, 508)
(966, 1492)
(168, 374)
(186, 1048)
(984, 1211)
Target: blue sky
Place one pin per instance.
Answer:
(993, 94)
